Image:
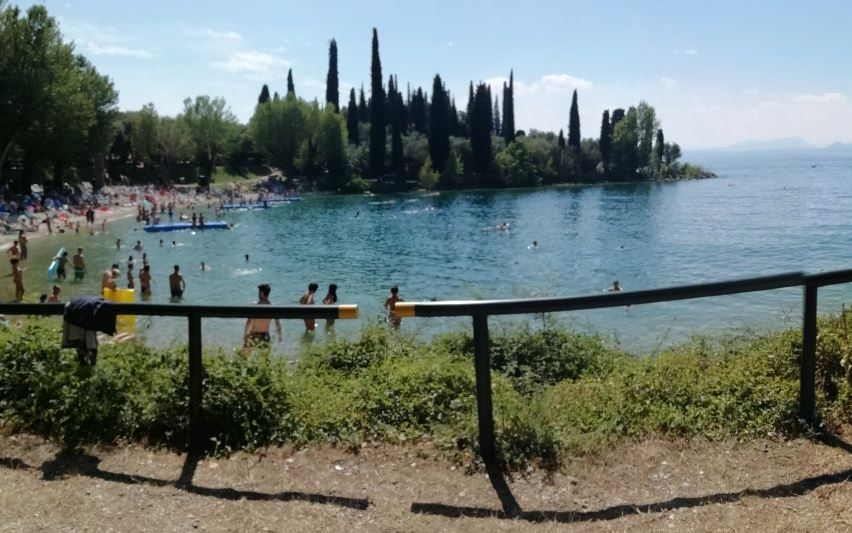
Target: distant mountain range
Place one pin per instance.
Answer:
(784, 144)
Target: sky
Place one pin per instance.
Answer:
(717, 72)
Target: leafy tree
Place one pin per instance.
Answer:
(279, 129)
(574, 125)
(291, 87)
(332, 92)
(439, 125)
(145, 134)
(625, 146)
(377, 113)
(174, 142)
(352, 118)
(331, 147)
(264, 95)
(516, 167)
(276, 97)
(647, 127)
(428, 175)
(210, 123)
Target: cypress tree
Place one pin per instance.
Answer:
(352, 119)
(509, 109)
(617, 116)
(395, 120)
(660, 146)
(377, 112)
(291, 87)
(470, 100)
(605, 141)
(363, 112)
(455, 127)
(497, 116)
(332, 92)
(480, 130)
(276, 97)
(264, 95)
(418, 111)
(439, 125)
(574, 125)
(560, 141)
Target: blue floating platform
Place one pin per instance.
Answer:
(181, 226)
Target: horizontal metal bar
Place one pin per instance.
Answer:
(206, 311)
(829, 278)
(613, 299)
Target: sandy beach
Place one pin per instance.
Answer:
(114, 213)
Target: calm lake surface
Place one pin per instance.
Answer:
(766, 214)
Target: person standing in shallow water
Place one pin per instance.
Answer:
(145, 281)
(330, 299)
(308, 299)
(390, 304)
(257, 329)
(176, 284)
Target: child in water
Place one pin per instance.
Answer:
(390, 304)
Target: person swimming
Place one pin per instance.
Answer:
(247, 258)
(615, 287)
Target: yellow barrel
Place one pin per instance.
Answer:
(123, 296)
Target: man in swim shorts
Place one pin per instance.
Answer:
(79, 263)
(177, 285)
(257, 329)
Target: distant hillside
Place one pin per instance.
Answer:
(789, 143)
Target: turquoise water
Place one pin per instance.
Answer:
(766, 214)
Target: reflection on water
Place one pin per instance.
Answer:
(759, 218)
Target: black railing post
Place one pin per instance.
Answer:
(807, 392)
(485, 412)
(196, 371)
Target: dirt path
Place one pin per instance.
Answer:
(652, 486)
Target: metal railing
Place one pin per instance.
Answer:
(194, 314)
(479, 311)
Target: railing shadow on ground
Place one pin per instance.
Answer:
(65, 463)
(784, 490)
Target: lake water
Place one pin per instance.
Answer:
(766, 214)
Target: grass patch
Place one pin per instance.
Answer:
(556, 393)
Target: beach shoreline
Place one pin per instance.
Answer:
(115, 213)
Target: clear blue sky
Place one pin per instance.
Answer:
(718, 72)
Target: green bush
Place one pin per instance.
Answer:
(555, 392)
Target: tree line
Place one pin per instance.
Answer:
(61, 123)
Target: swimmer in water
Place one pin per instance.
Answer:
(204, 267)
(247, 258)
(616, 287)
(534, 244)
(161, 243)
(174, 244)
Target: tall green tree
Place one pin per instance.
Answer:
(605, 140)
(480, 132)
(508, 125)
(417, 111)
(331, 147)
(394, 115)
(174, 142)
(497, 124)
(352, 119)
(264, 95)
(291, 87)
(574, 125)
(363, 110)
(648, 125)
(439, 125)
(377, 112)
(210, 122)
(332, 91)
(659, 147)
(279, 131)
(625, 146)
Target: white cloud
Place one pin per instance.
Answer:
(668, 83)
(690, 52)
(823, 98)
(563, 81)
(101, 40)
(115, 50)
(251, 61)
(215, 35)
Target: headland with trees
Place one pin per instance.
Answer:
(60, 123)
